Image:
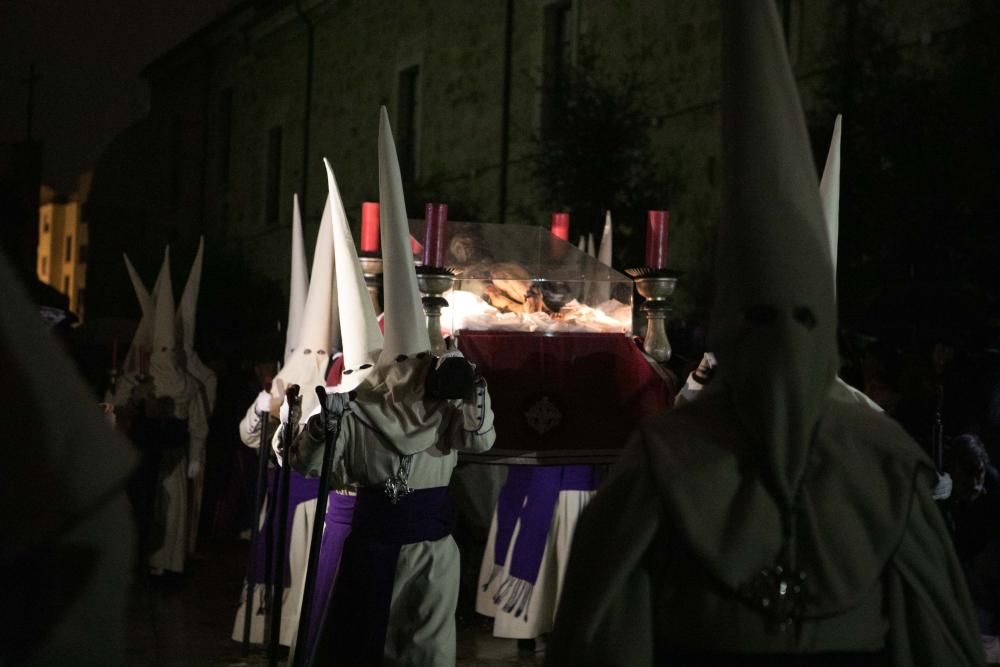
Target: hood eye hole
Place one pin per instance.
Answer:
(307, 351)
(401, 357)
(348, 371)
(364, 366)
(760, 315)
(805, 317)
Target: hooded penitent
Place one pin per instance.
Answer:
(733, 498)
(361, 338)
(298, 284)
(774, 320)
(392, 398)
(306, 366)
(187, 314)
(169, 376)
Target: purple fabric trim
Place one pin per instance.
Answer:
(355, 625)
(529, 496)
(300, 489)
(339, 515)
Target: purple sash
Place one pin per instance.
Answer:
(354, 627)
(301, 489)
(339, 514)
(528, 499)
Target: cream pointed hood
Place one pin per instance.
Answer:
(307, 365)
(604, 253)
(187, 312)
(164, 326)
(774, 320)
(298, 283)
(143, 338)
(405, 325)
(361, 338)
(829, 192)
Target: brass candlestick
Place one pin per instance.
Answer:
(656, 286)
(371, 267)
(433, 283)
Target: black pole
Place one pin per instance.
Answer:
(281, 509)
(508, 37)
(258, 500)
(316, 541)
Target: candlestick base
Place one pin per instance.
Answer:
(371, 268)
(433, 282)
(656, 286)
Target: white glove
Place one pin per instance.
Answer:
(263, 403)
(275, 444)
(283, 412)
(194, 469)
(942, 490)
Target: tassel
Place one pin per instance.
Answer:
(514, 596)
(493, 575)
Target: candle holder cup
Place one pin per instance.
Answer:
(656, 286)
(433, 282)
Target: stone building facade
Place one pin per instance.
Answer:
(243, 112)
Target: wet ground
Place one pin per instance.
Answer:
(187, 620)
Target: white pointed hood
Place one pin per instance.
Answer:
(298, 285)
(306, 366)
(142, 341)
(164, 326)
(187, 312)
(361, 338)
(829, 192)
(604, 253)
(169, 378)
(774, 320)
(405, 325)
(591, 249)
(581, 245)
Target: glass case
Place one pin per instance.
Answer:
(522, 278)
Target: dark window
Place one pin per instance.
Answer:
(80, 294)
(273, 204)
(81, 254)
(225, 134)
(66, 285)
(69, 248)
(45, 264)
(408, 113)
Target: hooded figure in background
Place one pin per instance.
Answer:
(398, 435)
(169, 423)
(68, 544)
(767, 521)
(187, 315)
(306, 366)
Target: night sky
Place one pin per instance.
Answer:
(88, 55)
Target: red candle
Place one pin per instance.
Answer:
(560, 225)
(369, 228)
(657, 227)
(435, 234)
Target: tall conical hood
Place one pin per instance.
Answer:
(306, 366)
(773, 322)
(299, 283)
(188, 308)
(361, 338)
(591, 246)
(829, 192)
(405, 326)
(164, 326)
(604, 253)
(143, 338)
